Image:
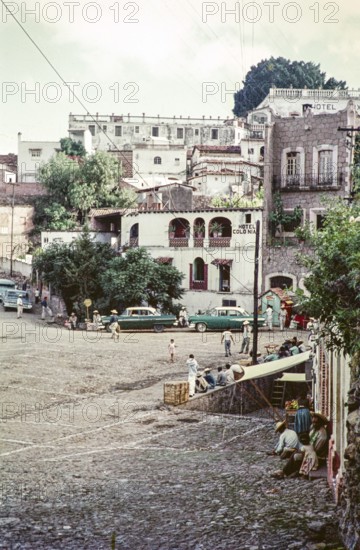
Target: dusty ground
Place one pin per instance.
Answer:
(92, 459)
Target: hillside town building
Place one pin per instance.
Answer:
(306, 159)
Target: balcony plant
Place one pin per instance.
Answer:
(172, 229)
(216, 229)
(199, 230)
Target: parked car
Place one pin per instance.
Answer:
(6, 284)
(221, 318)
(141, 318)
(10, 299)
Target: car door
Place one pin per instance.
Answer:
(235, 319)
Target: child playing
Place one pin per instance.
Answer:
(171, 348)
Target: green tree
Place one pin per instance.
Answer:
(334, 276)
(72, 148)
(81, 184)
(75, 270)
(282, 73)
(58, 176)
(136, 278)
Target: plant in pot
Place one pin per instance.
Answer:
(172, 229)
(199, 230)
(216, 229)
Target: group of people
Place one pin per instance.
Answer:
(202, 381)
(304, 448)
(288, 348)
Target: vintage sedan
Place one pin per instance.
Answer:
(10, 299)
(141, 318)
(221, 318)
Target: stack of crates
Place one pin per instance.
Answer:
(176, 393)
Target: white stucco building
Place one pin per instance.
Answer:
(31, 154)
(66, 237)
(218, 265)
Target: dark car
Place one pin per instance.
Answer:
(220, 318)
(141, 318)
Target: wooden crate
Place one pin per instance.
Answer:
(176, 393)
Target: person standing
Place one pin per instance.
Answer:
(97, 322)
(113, 323)
(246, 337)
(20, 306)
(37, 296)
(183, 318)
(227, 337)
(45, 309)
(269, 317)
(282, 317)
(171, 349)
(193, 366)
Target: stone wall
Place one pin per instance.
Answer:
(350, 496)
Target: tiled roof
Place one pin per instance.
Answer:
(96, 212)
(219, 148)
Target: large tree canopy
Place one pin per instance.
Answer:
(85, 269)
(136, 278)
(334, 279)
(282, 73)
(76, 185)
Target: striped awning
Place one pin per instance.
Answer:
(222, 261)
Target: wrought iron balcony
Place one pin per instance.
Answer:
(313, 181)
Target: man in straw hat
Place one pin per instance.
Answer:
(113, 323)
(288, 440)
(97, 322)
(246, 337)
(318, 441)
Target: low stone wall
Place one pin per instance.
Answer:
(239, 398)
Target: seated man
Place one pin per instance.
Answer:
(221, 377)
(272, 357)
(233, 373)
(318, 440)
(288, 441)
(209, 378)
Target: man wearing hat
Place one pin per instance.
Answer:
(318, 436)
(209, 378)
(288, 440)
(113, 323)
(97, 322)
(246, 337)
(318, 440)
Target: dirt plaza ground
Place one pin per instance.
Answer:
(91, 458)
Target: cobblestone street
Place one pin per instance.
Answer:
(92, 459)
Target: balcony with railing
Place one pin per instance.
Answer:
(217, 242)
(312, 181)
(179, 242)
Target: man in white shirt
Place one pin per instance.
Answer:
(246, 337)
(288, 440)
(227, 337)
(20, 306)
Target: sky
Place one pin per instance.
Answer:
(158, 57)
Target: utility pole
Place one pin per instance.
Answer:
(256, 293)
(12, 227)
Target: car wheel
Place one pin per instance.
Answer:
(201, 327)
(6, 308)
(158, 328)
(107, 328)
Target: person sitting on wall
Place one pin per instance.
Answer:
(209, 378)
(221, 377)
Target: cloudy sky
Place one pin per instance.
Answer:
(155, 56)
